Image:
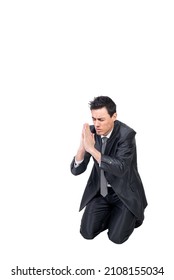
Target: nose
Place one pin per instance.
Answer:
(97, 123)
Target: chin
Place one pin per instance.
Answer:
(99, 133)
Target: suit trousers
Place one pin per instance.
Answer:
(110, 213)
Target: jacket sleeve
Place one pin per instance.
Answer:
(118, 163)
(82, 166)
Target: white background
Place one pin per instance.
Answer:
(56, 56)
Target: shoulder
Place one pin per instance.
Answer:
(123, 129)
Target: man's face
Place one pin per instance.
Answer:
(102, 121)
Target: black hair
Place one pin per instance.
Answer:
(103, 101)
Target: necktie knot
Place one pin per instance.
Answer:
(104, 139)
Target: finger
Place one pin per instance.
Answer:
(87, 128)
(84, 128)
(86, 125)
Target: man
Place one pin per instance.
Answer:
(114, 195)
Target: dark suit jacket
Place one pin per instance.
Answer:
(120, 167)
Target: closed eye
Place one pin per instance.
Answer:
(99, 119)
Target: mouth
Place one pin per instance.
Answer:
(98, 130)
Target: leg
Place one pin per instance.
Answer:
(95, 218)
(121, 224)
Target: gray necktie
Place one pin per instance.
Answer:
(103, 182)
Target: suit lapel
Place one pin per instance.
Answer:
(112, 139)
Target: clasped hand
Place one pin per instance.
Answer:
(87, 138)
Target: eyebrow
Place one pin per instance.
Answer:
(99, 119)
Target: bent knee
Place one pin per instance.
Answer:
(118, 239)
(87, 235)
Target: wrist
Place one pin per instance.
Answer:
(80, 154)
(96, 154)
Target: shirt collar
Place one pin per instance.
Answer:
(108, 135)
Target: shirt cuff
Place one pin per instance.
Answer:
(77, 162)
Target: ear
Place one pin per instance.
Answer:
(114, 116)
